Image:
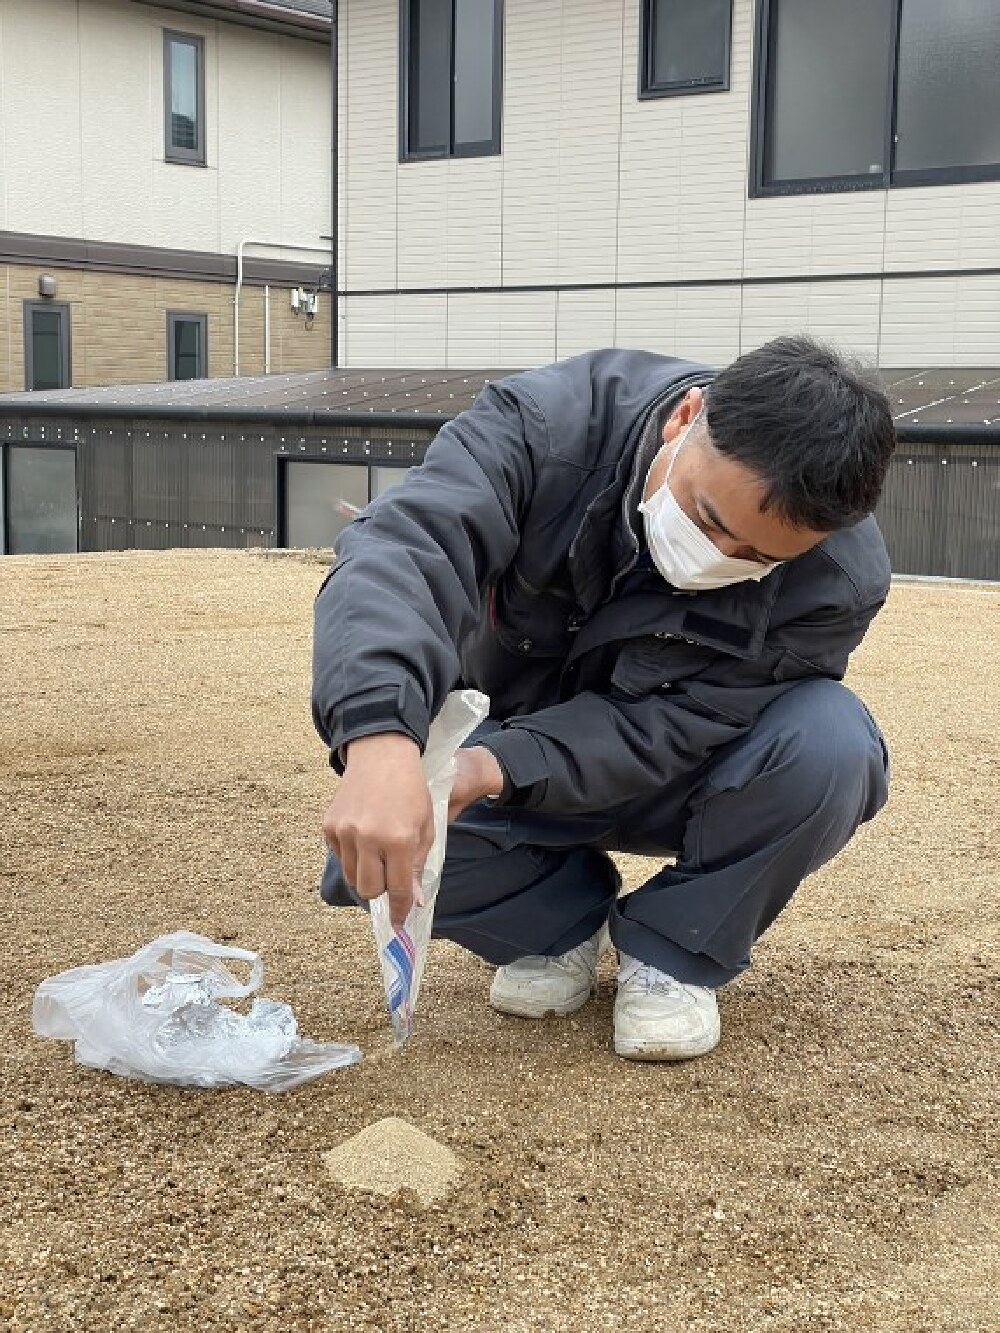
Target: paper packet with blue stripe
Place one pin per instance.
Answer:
(402, 953)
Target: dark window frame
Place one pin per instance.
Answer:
(650, 89)
(189, 317)
(890, 179)
(191, 157)
(65, 339)
(484, 148)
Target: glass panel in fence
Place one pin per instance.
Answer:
(41, 501)
(321, 499)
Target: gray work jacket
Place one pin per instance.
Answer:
(499, 564)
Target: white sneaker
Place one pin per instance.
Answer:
(534, 986)
(660, 1018)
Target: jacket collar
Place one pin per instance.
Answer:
(606, 545)
(732, 620)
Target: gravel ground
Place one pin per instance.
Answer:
(833, 1165)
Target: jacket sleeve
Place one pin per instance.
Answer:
(596, 751)
(411, 572)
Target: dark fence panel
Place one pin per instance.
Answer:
(940, 510)
(150, 483)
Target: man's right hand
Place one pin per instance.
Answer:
(380, 823)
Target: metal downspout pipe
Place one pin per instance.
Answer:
(334, 180)
(240, 248)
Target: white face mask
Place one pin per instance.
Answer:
(685, 556)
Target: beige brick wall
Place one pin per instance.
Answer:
(119, 326)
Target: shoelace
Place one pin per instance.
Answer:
(652, 978)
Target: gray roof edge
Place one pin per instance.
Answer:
(310, 416)
(919, 433)
(309, 22)
(930, 405)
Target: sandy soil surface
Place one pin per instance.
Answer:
(832, 1166)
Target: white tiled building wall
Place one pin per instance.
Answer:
(82, 133)
(596, 188)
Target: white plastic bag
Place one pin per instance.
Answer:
(403, 953)
(156, 1016)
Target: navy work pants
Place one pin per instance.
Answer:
(746, 828)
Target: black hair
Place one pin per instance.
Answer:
(815, 425)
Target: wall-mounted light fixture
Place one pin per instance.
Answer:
(46, 285)
(305, 301)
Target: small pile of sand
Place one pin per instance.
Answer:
(392, 1155)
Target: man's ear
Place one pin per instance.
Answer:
(683, 414)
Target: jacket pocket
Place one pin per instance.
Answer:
(646, 665)
(529, 621)
(790, 666)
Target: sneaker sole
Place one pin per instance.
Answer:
(644, 1050)
(524, 1008)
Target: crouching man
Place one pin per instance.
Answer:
(657, 572)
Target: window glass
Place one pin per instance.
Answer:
(184, 111)
(430, 76)
(384, 478)
(688, 42)
(451, 69)
(187, 349)
(948, 90)
(473, 71)
(41, 501)
(321, 499)
(48, 368)
(828, 89)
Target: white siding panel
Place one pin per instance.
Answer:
(977, 321)
(40, 124)
(186, 210)
(3, 136)
(527, 329)
(249, 163)
(395, 331)
(918, 322)
(372, 144)
(449, 223)
(475, 188)
(683, 170)
(185, 197)
(532, 37)
(955, 226)
(422, 242)
(370, 337)
(346, 14)
(941, 321)
(305, 140)
(831, 233)
(589, 131)
(770, 311)
(585, 321)
(118, 80)
(474, 330)
(702, 323)
(100, 131)
(843, 313)
(421, 324)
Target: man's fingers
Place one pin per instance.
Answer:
(370, 882)
(418, 893)
(399, 881)
(346, 852)
(400, 902)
